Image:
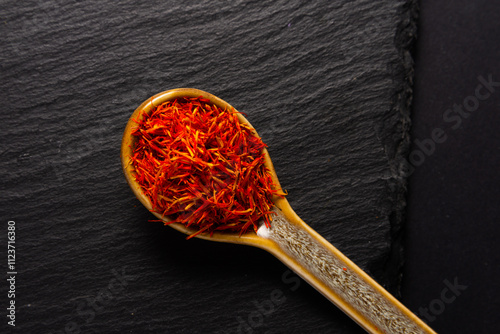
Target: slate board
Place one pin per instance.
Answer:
(326, 84)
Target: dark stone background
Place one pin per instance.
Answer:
(326, 84)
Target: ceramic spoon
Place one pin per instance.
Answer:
(297, 245)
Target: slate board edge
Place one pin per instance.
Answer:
(406, 36)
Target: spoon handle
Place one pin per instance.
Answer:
(342, 282)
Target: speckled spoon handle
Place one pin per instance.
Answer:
(337, 278)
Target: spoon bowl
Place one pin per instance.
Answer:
(293, 242)
(128, 142)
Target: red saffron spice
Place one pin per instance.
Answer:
(203, 168)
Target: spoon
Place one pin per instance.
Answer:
(294, 243)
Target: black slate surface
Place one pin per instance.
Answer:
(326, 84)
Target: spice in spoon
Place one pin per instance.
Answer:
(201, 167)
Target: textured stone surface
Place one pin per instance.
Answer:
(326, 84)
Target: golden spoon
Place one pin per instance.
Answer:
(294, 243)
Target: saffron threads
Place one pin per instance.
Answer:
(202, 168)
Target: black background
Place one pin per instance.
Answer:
(453, 210)
(326, 84)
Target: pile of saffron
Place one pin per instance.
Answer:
(202, 168)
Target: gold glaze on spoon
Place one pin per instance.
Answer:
(294, 243)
